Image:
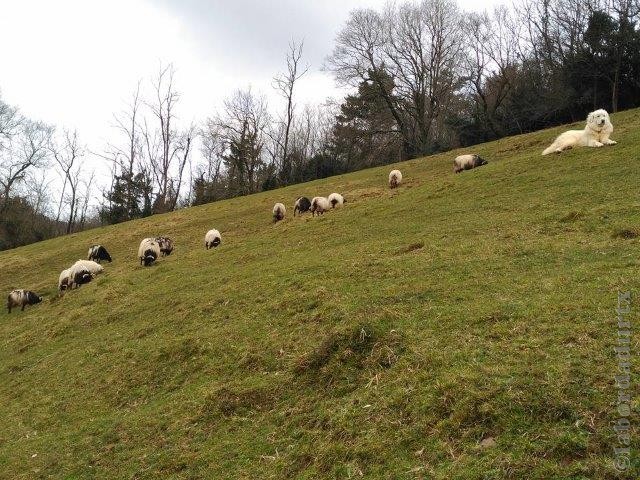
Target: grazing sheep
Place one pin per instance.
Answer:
(302, 205)
(319, 205)
(98, 253)
(22, 298)
(64, 280)
(81, 272)
(93, 267)
(336, 200)
(212, 239)
(467, 162)
(278, 212)
(166, 245)
(148, 251)
(78, 275)
(395, 178)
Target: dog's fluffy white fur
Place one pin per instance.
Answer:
(595, 134)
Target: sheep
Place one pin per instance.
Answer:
(78, 275)
(22, 298)
(81, 272)
(336, 200)
(467, 162)
(302, 205)
(98, 253)
(212, 239)
(319, 205)
(148, 251)
(278, 212)
(166, 245)
(395, 178)
(93, 267)
(64, 280)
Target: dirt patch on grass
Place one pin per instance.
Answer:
(228, 401)
(348, 353)
(410, 248)
(626, 233)
(572, 217)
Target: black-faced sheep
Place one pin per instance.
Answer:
(22, 298)
(79, 276)
(278, 212)
(302, 205)
(395, 178)
(336, 200)
(319, 205)
(467, 162)
(212, 239)
(97, 253)
(148, 251)
(81, 272)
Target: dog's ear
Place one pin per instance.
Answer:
(590, 118)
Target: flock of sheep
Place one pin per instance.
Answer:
(150, 249)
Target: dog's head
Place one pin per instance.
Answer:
(598, 119)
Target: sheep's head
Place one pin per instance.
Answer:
(479, 161)
(32, 298)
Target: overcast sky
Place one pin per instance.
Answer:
(74, 63)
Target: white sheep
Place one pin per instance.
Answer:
(81, 272)
(78, 274)
(319, 205)
(336, 200)
(148, 251)
(64, 280)
(467, 162)
(212, 239)
(395, 178)
(93, 267)
(279, 211)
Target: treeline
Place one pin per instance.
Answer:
(29, 152)
(424, 77)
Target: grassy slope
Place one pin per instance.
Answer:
(336, 347)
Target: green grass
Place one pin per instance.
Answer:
(384, 340)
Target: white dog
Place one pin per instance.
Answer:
(595, 134)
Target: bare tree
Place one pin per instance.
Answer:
(84, 200)
(182, 152)
(25, 150)
(129, 154)
(241, 126)
(212, 149)
(358, 57)
(67, 153)
(490, 63)
(162, 139)
(10, 120)
(412, 54)
(167, 149)
(284, 83)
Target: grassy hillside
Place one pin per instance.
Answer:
(385, 340)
